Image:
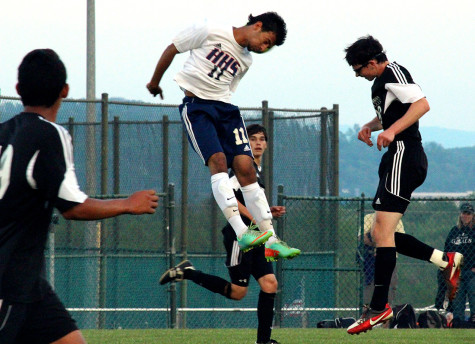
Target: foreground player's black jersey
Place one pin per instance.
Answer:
(393, 93)
(36, 174)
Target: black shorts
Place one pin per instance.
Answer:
(39, 322)
(242, 265)
(403, 168)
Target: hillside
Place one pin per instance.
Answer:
(450, 170)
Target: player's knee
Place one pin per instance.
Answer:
(217, 163)
(237, 292)
(269, 284)
(245, 173)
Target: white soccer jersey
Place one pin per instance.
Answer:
(216, 63)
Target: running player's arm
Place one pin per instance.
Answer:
(163, 63)
(365, 132)
(415, 111)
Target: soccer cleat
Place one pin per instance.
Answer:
(370, 319)
(272, 341)
(176, 274)
(451, 273)
(252, 238)
(280, 250)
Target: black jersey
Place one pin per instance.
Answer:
(36, 174)
(392, 93)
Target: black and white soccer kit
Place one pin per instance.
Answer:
(242, 265)
(404, 166)
(36, 175)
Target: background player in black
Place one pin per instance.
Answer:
(399, 104)
(36, 175)
(241, 265)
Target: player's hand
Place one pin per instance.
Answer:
(155, 89)
(385, 138)
(277, 211)
(143, 202)
(365, 135)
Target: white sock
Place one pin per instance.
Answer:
(224, 195)
(272, 239)
(437, 259)
(256, 203)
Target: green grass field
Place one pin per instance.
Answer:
(284, 336)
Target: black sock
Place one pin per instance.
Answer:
(409, 246)
(384, 264)
(265, 316)
(212, 283)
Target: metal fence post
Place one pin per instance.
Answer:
(279, 272)
(184, 220)
(323, 152)
(103, 226)
(360, 246)
(172, 251)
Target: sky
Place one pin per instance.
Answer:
(434, 39)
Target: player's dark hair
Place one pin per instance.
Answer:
(271, 21)
(364, 49)
(253, 129)
(41, 77)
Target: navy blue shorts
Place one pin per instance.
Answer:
(213, 126)
(39, 322)
(403, 168)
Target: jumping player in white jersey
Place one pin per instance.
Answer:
(399, 103)
(219, 58)
(36, 175)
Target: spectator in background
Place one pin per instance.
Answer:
(461, 238)
(367, 255)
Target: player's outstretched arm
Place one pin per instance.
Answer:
(141, 202)
(163, 63)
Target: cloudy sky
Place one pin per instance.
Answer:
(434, 39)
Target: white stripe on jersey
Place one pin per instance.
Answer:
(189, 129)
(29, 171)
(236, 251)
(401, 78)
(69, 189)
(396, 171)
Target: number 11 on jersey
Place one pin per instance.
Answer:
(240, 141)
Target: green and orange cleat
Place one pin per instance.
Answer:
(280, 250)
(253, 238)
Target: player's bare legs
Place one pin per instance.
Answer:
(224, 196)
(384, 226)
(74, 337)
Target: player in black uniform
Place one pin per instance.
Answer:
(242, 265)
(399, 103)
(36, 175)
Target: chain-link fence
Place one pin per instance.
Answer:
(333, 277)
(107, 272)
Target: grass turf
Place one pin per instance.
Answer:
(284, 336)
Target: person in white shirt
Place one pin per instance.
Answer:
(219, 58)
